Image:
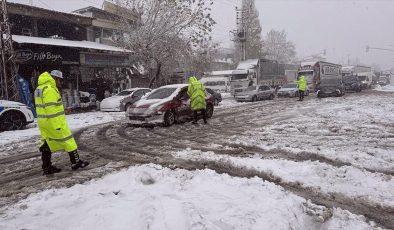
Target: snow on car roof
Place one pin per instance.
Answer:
(174, 86)
(133, 89)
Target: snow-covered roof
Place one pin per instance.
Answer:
(308, 63)
(248, 64)
(219, 73)
(68, 43)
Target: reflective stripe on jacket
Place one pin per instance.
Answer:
(51, 118)
(301, 84)
(196, 92)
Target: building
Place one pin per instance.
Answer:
(46, 39)
(106, 24)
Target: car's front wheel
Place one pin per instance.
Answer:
(209, 111)
(169, 118)
(254, 98)
(12, 120)
(271, 97)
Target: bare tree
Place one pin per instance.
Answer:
(277, 47)
(253, 30)
(169, 33)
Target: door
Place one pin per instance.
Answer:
(264, 91)
(184, 108)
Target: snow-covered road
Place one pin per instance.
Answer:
(282, 164)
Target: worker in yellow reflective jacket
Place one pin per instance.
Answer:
(301, 85)
(196, 92)
(51, 120)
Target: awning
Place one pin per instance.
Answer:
(66, 43)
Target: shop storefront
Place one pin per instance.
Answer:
(87, 66)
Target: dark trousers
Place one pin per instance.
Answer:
(46, 155)
(204, 115)
(301, 94)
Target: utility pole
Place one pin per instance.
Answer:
(8, 81)
(241, 31)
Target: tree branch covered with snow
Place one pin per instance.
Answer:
(277, 47)
(169, 34)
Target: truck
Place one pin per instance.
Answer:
(364, 74)
(252, 72)
(324, 78)
(219, 81)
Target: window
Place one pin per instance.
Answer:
(124, 93)
(264, 87)
(161, 93)
(139, 93)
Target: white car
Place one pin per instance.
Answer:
(290, 90)
(166, 105)
(256, 93)
(14, 115)
(122, 100)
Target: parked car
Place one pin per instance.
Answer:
(166, 105)
(14, 115)
(122, 100)
(217, 96)
(383, 80)
(290, 90)
(255, 93)
(352, 83)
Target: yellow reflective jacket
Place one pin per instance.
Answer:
(301, 84)
(51, 118)
(196, 92)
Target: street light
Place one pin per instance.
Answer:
(375, 48)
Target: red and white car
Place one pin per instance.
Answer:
(167, 105)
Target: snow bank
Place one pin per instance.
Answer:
(152, 197)
(350, 181)
(386, 88)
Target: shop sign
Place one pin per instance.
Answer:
(45, 57)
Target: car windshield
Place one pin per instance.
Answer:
(350, 79)
(124, 93)
(239, 77)
(308, 76)
(290, 86)
(251, 88)
(362, 78)
(161, 93)
(214, 83)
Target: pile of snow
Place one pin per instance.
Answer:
(347, 180)
(386, 88)
(152, 197)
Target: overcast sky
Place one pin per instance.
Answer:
(343, 27)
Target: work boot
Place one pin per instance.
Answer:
(76, 162)
(48, 170)
(47, 166)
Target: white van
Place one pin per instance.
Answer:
(218, 84)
